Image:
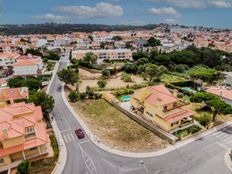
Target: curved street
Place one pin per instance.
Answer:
(204, 156)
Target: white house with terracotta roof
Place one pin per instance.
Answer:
(157, 104)
(28, 66)
(7, 59)
(23, 134)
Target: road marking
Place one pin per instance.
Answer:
(65, 138)
(215, 133)
(221, 136)
(222, 145)
(69, 137)
(158, 171)
(73, 138)
(230, 141)
(90, 166)
(85, 141)
(228, 138)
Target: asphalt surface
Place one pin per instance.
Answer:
(204, 156)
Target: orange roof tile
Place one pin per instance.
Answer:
(8, 94)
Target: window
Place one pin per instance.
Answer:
(165, 108)
(29, 130)
(1, 160)
(175, 123)
(33, 148)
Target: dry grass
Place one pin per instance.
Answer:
(114, 82)
(115, 129)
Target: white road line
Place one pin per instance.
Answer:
(230, 141)
(222, 145)
(72, 136)
(215, 133)
(221, 136)
(65, 138)
(158, 171)
(69, 138)
(85, 141)
(228, 138)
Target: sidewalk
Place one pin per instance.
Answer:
(169, 148)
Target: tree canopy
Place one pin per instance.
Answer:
(68, 76)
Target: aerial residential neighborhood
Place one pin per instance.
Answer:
(91, 87)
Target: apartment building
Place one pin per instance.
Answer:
(110, 54)
(23, 134)
(157, 104)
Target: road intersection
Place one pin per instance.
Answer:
(204, 156)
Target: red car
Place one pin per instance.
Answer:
(80, 134)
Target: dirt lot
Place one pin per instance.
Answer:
(115, 129)
(88, 75)
(115, 82)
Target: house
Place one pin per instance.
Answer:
(7, 59)
(222, 92)
(28, 66)
(23, 134)
(9, 95)
(157, 104)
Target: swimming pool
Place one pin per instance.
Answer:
(188, 90)
(126, 98)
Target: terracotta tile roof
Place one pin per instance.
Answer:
(220, 91)
(9, 55)
(15, 126)
(26, 62)
(178, 114)
(8, 94)
(160, 94)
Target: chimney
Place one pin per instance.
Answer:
(23, 89)
(5, 133)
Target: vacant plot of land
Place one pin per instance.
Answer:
(115, 129)
(88, 75)
(111, 83)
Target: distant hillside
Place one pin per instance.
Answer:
(65, 28)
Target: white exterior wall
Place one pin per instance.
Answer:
(25, 70)
(7, 61)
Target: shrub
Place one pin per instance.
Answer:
(194, 129)
(204, 119)
(23, 167)
(126, 77)
(101, 83)
(105, 73)
(74, 96)
(124, 92)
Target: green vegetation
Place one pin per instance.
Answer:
(68, 76)
(101, 83)
(154, 72)
(106, 73)
(44, 100)
(152, 42)
(216, 105)
(74, 96)
(23, 167)
(117, 38)
(185, 132)
(126, 77)
(121, 92)
(204, 119)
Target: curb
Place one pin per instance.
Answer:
(169, 148)
(228, 160)
(58, 169)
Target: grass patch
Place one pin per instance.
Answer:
(171, 78)
(116, 129)
(46, 165)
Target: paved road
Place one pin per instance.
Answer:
(205, 156)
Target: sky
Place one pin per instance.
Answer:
(210, 13)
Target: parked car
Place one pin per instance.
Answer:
(80, 134)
